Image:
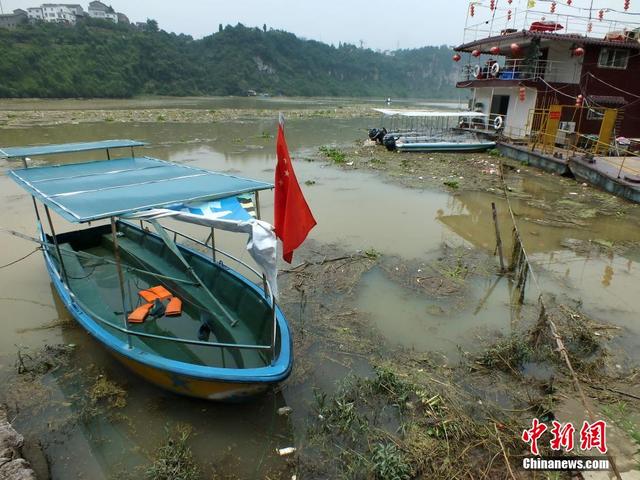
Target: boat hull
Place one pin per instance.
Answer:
(232, 385)
(193, 387)
(444, 147)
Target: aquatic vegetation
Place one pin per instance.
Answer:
(451, 184)
(508, 355)
(173, 460)
(389, 463)
(107, 392)
(335, 155)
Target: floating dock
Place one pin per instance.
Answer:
(617, 175)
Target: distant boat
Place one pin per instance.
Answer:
(179, 318)
(428, 131)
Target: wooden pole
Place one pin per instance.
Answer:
(116, 253)
(498, 238)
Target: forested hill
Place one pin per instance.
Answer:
(99, 59)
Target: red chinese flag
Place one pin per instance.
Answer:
(293, 218)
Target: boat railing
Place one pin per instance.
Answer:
(135, 333)
(511, 20)
(209, 247)
(523, 69)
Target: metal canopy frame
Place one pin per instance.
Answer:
(32, 188)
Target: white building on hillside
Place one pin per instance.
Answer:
(100, 10)
(54, 13)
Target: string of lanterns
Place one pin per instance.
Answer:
(493, 5)
(514, 47)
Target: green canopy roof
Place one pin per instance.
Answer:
(82, 192)
(21, 152)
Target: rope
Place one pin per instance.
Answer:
(552, 326)
(20, 259)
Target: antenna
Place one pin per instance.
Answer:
(1, 9)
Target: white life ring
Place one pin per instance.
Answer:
(497, 123)
(495, 69)
(476, 71)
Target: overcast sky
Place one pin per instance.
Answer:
(379, 24)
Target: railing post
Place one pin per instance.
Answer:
(116, 251)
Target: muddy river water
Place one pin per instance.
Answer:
(356, 211)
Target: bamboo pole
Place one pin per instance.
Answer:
(498, 238)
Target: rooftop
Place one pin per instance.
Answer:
(82, 192)
(583, 21)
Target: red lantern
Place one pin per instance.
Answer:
(522, 94)
(569, 2)
(515, 48)
(627, 3)
(579, 100)
(472, 10)
(509, 2)
(589, 27)
(509, 15)
(476, 53)
(456, 58)
(600, 14)
(578, 52)
(495, 50)
(492, 4)
(553, 7)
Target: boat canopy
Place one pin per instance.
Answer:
(82, 192)
(427, 113)
(32, 151)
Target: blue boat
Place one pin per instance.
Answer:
(429, 131)
(165, 304)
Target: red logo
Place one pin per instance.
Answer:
(532, 435)
(562, 436)
(592, 435)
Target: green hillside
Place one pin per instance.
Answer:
(99, 59)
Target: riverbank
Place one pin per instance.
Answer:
(413, 355)
(12, 465)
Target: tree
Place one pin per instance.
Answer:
(151, 26)
(264, 28)
(219, 27)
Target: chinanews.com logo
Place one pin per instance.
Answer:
(593, 439)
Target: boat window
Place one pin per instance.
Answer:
(613, 58)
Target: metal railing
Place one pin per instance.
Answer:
(217, 250)
(579, 25)
(94, 315)
(523, 69)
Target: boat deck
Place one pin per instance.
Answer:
(96, 284)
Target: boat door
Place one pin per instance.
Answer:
(499, 108)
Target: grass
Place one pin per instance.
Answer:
(390, 427)
(451, 184)
(389, 462)
(333, 154)
(508, 355)
(619, 414)
(173, 460)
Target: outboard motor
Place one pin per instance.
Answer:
(390, 142)
(377, 134)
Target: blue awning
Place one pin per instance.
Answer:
(21, 152)
(82, 192)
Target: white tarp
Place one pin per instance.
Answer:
(262, 243)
